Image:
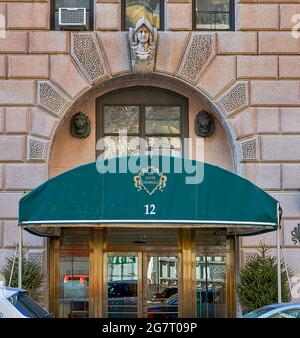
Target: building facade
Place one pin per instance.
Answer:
(237, 60)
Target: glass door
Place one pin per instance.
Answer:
(211, 286)
(122, 285)
(161, 298)
(74, 287)
(141, 285)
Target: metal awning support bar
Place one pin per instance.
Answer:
(20, 257)
(278, 258)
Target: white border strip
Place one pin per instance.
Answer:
(120, 221)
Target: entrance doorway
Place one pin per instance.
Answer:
(142, 273)
(142, 285)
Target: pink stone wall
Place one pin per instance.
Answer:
(251, 77)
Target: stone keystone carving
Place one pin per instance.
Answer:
(142, 40)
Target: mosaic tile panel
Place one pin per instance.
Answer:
(87, 54)
(200, 50)
(50, 97)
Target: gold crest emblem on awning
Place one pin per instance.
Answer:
(150, 179)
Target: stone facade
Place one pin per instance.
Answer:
(251, 77)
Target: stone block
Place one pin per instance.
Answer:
(258, 17)
(291, 176)
(108, 16)
(16, 120)
(277, 93)
(289, 202)
(266, 176)
(28, 66)
(33, 16)
(269, 239)
(17, 92)
(65, 74)
(289, 67)
(11, 236)
(220, 74)
(14, 42)
(280, 148)
(5, 254)
(11, 148)
(237, 42)
(9, 204)
(49, 42)
(277, 43)
(291, 256)
(290, 120)
(25, 176)
(287, 11)
(170, 49)
(289, 239)
(257, 67)
(116, 44)
(2, 66)
(41, 123)
(179, 16)
(245, 123)
(267, 120)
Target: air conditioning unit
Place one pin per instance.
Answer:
(72, 17)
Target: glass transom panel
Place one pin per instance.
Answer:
(118, 118)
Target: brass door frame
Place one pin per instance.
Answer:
(229, 252)
(186, 252)
(105, 279)
(142, 277)
(179, 275)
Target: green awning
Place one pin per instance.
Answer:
(155, 193)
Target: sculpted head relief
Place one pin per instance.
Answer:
(142, 40)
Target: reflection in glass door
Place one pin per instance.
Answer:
(211, 286)
(161, 286)
(122, 287)
(74, 287)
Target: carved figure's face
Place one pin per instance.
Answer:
(79, 122)
(143, 34)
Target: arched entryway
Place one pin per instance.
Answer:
(103, 258)
(66, 152)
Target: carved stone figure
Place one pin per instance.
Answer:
(204, 124)
(80, 125)
(142, 41)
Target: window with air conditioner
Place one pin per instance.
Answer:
(72, 15)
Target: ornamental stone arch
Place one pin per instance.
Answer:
(100, 62)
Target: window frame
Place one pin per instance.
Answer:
(52, 19)
(161, 21)
(147, 96)
(231, 18)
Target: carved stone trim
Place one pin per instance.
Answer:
(36, 149)
(199, 52)
(236, 98)
(50, 97)
(86, 52)
(250, 149)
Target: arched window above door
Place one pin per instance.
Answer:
(157, 116)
